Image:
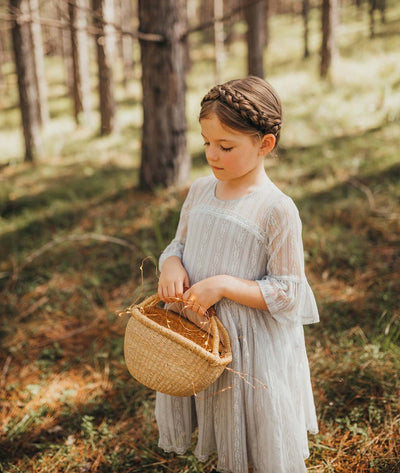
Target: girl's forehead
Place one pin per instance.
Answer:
(212, 125)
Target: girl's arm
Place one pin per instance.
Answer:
(173, 280)
(208, 292)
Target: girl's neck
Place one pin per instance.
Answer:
(234, 189)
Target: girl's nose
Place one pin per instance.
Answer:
(211, 154)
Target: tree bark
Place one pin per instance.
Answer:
(80, 60)
(126, 42)
(206, 13)
(219, 39)
(255, 19)
(38, 61)
(328, 46)
(2, 61)
(103, 18)
(306, 15)
(165, 160)
(267, 14)
(26, 81)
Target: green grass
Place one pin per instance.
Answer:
(75, 231)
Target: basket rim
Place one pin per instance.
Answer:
(216, 360)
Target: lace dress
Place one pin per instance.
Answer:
(258, 412)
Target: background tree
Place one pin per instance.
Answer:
(2, 61)
(125, 15)
(255, 19)
(64, 39)
(26, 79)
(80, 60)
(38, 62)
(267, 14)
(103, 16)
(219, 38)
(165, 159)
(328, 46)
(376, 5)
(306, 14)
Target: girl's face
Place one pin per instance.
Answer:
(232, 155)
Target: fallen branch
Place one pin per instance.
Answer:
(371, 200)
(59, 241)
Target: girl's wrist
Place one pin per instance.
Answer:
(222, 284)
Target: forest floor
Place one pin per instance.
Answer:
(78, 241)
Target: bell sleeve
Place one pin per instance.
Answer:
(177, 245)
(285, 288)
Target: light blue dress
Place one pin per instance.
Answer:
(259, 411)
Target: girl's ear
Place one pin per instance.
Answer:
(267, 144)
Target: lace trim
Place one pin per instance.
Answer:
(232, 217)
(279, 278)
(177, 450)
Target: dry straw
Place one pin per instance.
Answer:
(170, 354)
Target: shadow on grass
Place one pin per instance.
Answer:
(68, 188)
(348, 189)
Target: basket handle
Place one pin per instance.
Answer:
(215, 335)
(223, 333)
(215, 323)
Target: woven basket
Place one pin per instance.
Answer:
(168, 353)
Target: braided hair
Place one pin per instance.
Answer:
(248, 105)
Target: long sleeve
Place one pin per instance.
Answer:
(177, 245)
(285, 288)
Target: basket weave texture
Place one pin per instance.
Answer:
(168, 353)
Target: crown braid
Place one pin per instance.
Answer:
(247, 109)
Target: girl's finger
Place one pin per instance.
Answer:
(179, 289)
(186, 282)
(162, 293)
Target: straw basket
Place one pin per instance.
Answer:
(168, 353)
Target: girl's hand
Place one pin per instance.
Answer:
(174, 280)
(202, 295)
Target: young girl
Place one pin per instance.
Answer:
(238, 247)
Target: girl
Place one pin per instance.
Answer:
(238, 246)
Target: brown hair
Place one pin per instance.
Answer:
(249, 105)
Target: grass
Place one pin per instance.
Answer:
(75, 230)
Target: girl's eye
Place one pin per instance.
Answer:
(221, 147)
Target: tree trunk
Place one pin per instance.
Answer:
(126, 42)
(267, 14)
(2, 61)
(80, 60)
(206, 13)
(26, 80)
(382, 8)
(165, 160)
(254, 14)
(38, 61)
(328, 46)
(372, 8)
(219, 39)
(64, 35)
(103, 18)
(376, 5)
(306, 15)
